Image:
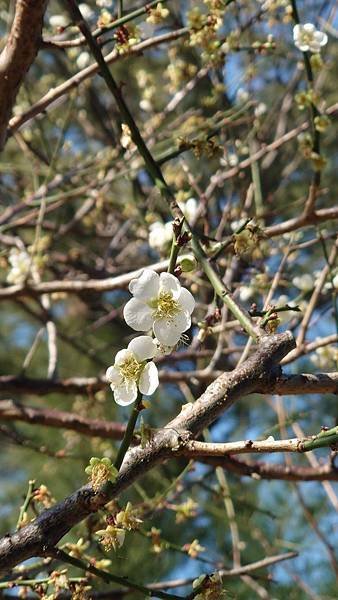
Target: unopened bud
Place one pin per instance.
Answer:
(188, 264)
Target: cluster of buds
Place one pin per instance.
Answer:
(306, 98)
(156, 542)
(248, 239)
(186, 510)
(77, 550)
(178, 72)
(157, 15)
(127, 518)
(193, 549)
(100, 470)
(261, 47)
(126, 36)
(209, 587)
(43, 495)
(203, 33)
(200, 146)
(111, 537)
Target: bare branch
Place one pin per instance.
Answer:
(18, 55)
(14, 411)
(283, 385)
(262, 470)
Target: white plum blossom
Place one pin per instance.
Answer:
(21, 266)
(160, 235)
(304, 282)
(246, 292)
(242, 95)
(260, 109)
(161, 304)
(189, 208)
(83, 60)
(325, 357)
(103, 3)
(308, 38)
(58, 21)
(131, 371)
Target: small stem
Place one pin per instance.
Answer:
(322, 440)
(4, 585)
(108, 577)
(27, 501)
(120, 9)
(256, 181)
(313, 109)
(128, 435)
(222, 291)
(175, 247)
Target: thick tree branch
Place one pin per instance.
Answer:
(282, 385)
(195, 449)
(18, 55)
(49, 527)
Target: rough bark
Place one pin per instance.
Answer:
(18, 55)
(37, 538)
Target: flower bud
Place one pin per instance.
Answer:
(188, 264)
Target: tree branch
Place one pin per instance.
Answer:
(11, 410)
(262, 470)
(282, 385)
(18, 55)
(52, 524)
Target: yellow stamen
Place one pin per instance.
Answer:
(130, 369)
(165, 306)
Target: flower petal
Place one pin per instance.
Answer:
(169, 332)
(125, 393)
(113, 376)
(320, 38)
(187, 300)
(309, 27)
(121, 356)
(181, 321)
(296, 31)
(146, 285)
(137, 315)
(149, 379)
(143, 347)
(170, 283)
(165, 332)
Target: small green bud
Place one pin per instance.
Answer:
(321, 123)
(316, 61)
(188, 264)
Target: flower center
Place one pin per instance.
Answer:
(130, 369)
(306, 37)
(165, 306)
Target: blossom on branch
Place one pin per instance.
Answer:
(308, 39)
(111, 537)
(131, 371)
(161, 304)
(22, 266)
(160, 235)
